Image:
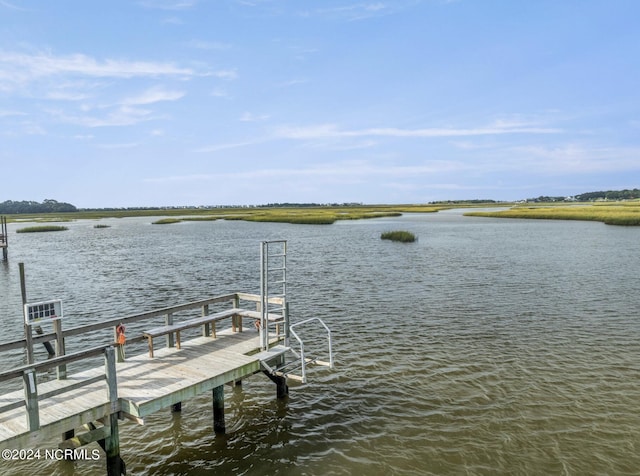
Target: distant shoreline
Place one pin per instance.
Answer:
(609, 213)
(612, 213)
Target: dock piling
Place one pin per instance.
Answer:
(218, 410)
(4, 238)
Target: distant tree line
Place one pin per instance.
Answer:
(609, 195)
(545, 198)
(462, 202)
(11, 207)
(308, 205)
(592, 196)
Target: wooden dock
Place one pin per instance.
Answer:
(84, 407)
(145, 385)
(76, 409)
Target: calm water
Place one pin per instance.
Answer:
(487, 347)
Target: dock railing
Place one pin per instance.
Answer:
(29, 375)
(29, 372)
(59, 335)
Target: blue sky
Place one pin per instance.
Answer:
(211, 102)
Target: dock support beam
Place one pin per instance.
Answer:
(218, 410)
(115, 465)
(282, 389)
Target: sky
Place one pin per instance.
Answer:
(247, 102)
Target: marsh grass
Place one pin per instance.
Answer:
(301, 215)
(43, 228)
(316, 215)
(166, 221)
(399, 235)
(618, 213)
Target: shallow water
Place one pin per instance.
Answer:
(487, 347)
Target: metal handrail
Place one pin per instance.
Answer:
(303, 361)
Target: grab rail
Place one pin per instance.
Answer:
(303, 360)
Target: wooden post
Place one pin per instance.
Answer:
(110, 374)
(62, 369)
(282, 389)
(238, 318)
(4, 238)
(168, 320)
(27, 328)
(218, 410)
(206, 330)
(115, 464)
(28, 335)
(176, 407)
(31, 399)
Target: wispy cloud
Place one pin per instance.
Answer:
(323, 131)
(358, 170)
(577, 158)
(153, 95)
(120, 116)
(360, 10)
(119, 146)
(5, 113)
(227, 74)
(230, 145)
(250, 117)
(22, 67)
(92, 83)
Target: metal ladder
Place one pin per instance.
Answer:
(273, 292)
(275, 328)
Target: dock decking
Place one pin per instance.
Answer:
(145, 385)
(92, 401)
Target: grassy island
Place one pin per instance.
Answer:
(401, 236)
(297, 215)
(617, 213)
(37, 229)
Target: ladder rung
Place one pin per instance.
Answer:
(277, 256)
(283, 268)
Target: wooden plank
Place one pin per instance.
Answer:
(257, 315)
(198, 321)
